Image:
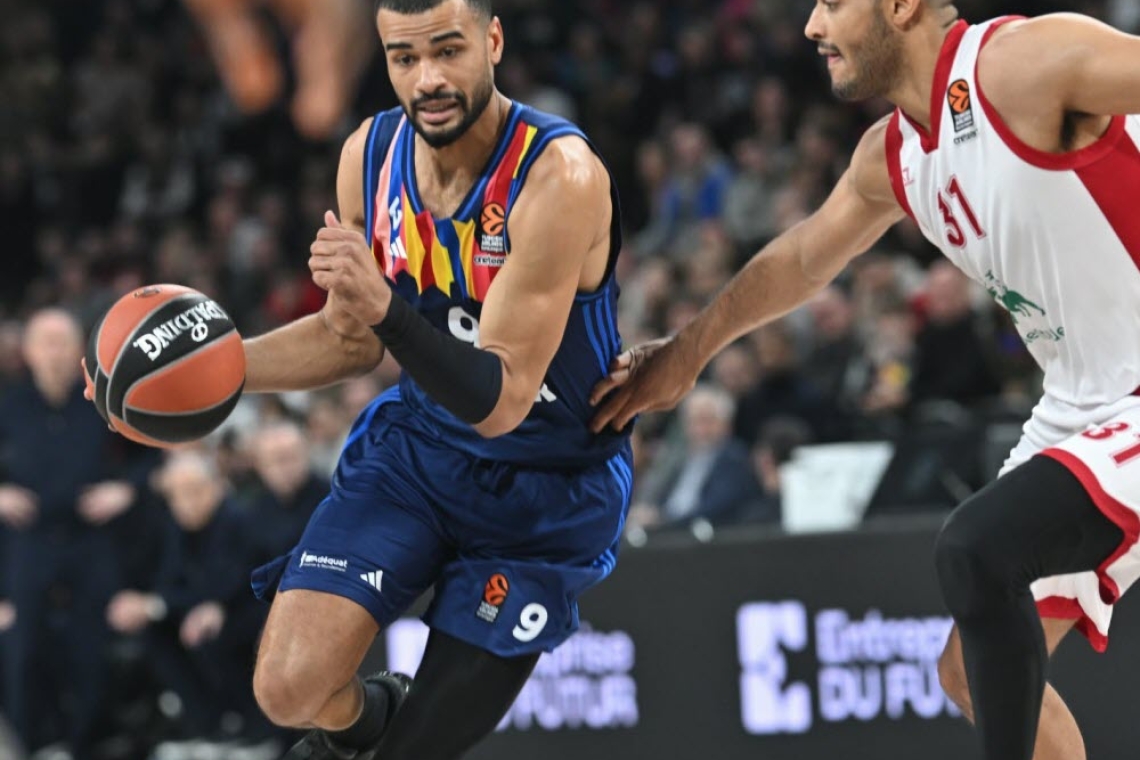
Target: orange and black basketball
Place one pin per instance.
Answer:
(166, 365)
(959, 96)
(495, 592)
(492, 219)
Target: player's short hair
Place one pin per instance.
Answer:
(410, 7)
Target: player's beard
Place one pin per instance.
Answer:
(877, 62)
(471, 111)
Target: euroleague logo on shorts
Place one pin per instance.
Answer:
(494, 594)
(961, 106)
(492, 224)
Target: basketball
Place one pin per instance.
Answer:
(166, 365)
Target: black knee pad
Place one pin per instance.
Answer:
(1034, 522)
(972, 573)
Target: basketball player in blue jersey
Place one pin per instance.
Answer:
(476, 243)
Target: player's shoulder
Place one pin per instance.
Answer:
(870, 172)
(1047, 40)
(352, 152)
(568, 164)
(1022, 35)
(356, 143)
(545, 121)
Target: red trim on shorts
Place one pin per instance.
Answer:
(1041, 159)
(1064, 608)
(1127, 520)
(894, 162)
(941, 81)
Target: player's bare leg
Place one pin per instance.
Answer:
(306, 665)
(1058, 737)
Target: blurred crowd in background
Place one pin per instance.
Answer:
(138, 146)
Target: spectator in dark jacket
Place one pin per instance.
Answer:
(951, 360)
(64, 479)
(290, 490)
(201, 584)
(709, 476)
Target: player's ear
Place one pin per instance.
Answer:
(495, 41)
(903, 14)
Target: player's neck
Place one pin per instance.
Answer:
(468, 155)
(912, 93)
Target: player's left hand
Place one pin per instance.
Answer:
(343, 264)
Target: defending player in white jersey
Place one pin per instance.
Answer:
(1009, 150)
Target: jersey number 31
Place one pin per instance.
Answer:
(947, 200)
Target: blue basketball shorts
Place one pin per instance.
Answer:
(508, 549)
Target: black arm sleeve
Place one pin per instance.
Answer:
(463, 379)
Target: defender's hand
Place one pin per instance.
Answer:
(647, 378)
(343, 264)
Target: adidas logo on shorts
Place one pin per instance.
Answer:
(373, 578)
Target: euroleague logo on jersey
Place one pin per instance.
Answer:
(962, 109)
(492, 225)
(494, 595)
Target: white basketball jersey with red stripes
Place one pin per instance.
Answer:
(1055, 238)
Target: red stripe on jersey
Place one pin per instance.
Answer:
(1114, 183)
(499, 186)
(1027, 153)
(894, 163)
(425, 225)
(941, 81)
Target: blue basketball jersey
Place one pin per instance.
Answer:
(444, 268)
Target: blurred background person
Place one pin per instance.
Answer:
(785, 388)
(779, 438)
(290, 490)
(709, 476)
(64, 477)
(952, 360)
(186, 614)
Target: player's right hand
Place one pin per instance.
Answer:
(646, 378)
